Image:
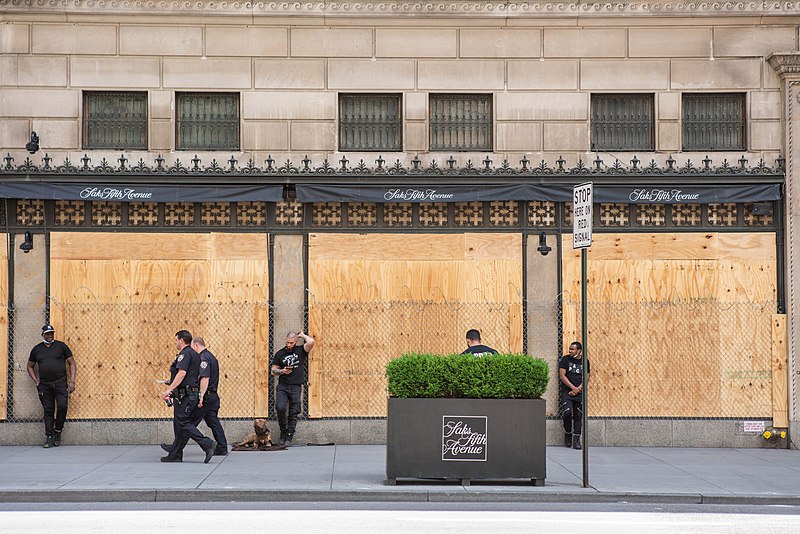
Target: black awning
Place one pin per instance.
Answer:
(142, 192)
(668, 194)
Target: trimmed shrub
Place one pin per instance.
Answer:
(492, 376)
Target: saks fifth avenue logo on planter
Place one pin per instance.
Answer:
(464, 438)
(418, 195)
(662, 195)
(113, 193)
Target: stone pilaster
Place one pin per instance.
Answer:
(787, 65)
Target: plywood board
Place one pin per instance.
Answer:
(695, 308)
(137, 290)
(151, 246)
(384, 295)
(780, 373)
(3, 327)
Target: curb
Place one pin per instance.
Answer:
(199, 495)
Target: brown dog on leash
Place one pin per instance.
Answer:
(260, 438)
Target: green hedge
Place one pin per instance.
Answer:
(493, 376)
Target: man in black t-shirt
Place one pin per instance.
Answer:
(53, 358)
(570, 376)
(184, 388)
(474, 345)
(289, 364)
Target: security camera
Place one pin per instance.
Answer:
(33, 144)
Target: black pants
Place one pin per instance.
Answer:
(288, 396)
(54, 396)
(184, 426)
(572, 414)
(210, 414)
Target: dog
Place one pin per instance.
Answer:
(260, 438)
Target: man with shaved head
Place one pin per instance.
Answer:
(289, 365)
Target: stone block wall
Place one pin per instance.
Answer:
(290, 71)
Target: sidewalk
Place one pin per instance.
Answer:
(81, 473)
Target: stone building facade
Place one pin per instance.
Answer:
(288, 68)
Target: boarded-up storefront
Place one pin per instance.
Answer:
(376, 296)
(119, 298)
(680, 325)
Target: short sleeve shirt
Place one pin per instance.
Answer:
(52, 360)
(296, 360)
(209, 367)
(479, 350)
(574, 368)
(186, 360)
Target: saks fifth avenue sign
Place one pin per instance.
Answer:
(111, 193)
(662, 196)
(416, 195)
(464, 438)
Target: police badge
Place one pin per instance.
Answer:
(180, 357)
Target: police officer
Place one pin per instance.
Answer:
(184, 388)
(208, 404)
(289, 364)
(53, 358)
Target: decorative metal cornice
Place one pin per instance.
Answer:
(345, 170)
(389, 8)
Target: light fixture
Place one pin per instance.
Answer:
(33, 145)
(27, 245)
(543, 248)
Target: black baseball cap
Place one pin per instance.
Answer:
(47, 328)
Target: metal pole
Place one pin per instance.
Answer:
(584, 356)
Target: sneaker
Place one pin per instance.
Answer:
(57, 439)
(48, 443)
(288, 441)
(576, 442)
(210, 452)
(169, 458)
(568, 439)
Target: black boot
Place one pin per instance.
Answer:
(57, 439)
(282, 440)
(48, 443)
(576, 442)
(289, 436)
(568, 439)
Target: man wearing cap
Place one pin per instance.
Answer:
(53, 358)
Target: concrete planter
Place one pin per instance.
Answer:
(466, 439)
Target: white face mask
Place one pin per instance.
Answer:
(48, 341)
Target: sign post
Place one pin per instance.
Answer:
(582, 215)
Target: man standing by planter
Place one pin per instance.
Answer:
(289, 364)
(570, 374)
(474, 345)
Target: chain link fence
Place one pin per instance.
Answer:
(693, 359)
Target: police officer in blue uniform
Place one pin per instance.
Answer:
(184, 389)
(208, 404)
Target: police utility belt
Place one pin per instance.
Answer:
(182, 392)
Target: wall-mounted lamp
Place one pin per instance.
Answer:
(33, 145)
(27, 245)
(543, 248)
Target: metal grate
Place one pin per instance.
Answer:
(207, 121)
(622, 122)
(460, 122)
(713, 122)
(369, 122)
(115, 120)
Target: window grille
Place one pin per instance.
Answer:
(460, 122)
(622, 122)
(370, 122)
(207, 121)
(115, 120)
(713, 122)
